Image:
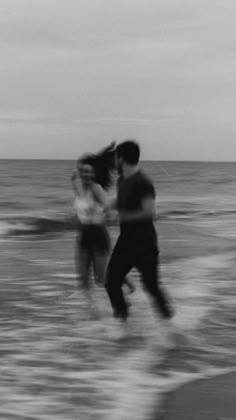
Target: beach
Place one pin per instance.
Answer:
(57, 363)
(208, 399)
(60, 361)
(209, 395)
(117, 116)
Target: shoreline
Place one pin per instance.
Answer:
(203, 398)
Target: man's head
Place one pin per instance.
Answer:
(127, 153)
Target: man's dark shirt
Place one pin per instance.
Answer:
(131, 192)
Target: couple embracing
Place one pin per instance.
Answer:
(137, 244)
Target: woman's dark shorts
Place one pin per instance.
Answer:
(94, 239)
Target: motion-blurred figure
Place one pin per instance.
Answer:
(90, 181)
(137, 244)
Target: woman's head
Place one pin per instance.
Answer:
(98, 168)
(86, 169)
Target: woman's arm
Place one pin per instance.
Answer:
(109, 203)
(100, 195)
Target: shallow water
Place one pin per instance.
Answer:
(58, 362)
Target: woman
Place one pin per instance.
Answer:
(90, 182)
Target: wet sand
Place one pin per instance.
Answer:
(209, 399)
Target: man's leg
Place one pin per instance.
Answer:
(120, 264)
(148, 266)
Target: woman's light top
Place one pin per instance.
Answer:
(88, 210)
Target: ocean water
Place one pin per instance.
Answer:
(58, 362)
(36, 195)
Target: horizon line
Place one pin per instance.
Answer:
(141, 160)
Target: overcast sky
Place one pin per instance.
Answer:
(76, 74)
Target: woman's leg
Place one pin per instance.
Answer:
(121, 262)
(86, 262)
(100, 267)
(83, 261)
(101, 248)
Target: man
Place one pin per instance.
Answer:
(137, 245)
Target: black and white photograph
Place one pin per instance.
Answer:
(117, 209)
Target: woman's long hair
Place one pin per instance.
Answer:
(103, 164)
